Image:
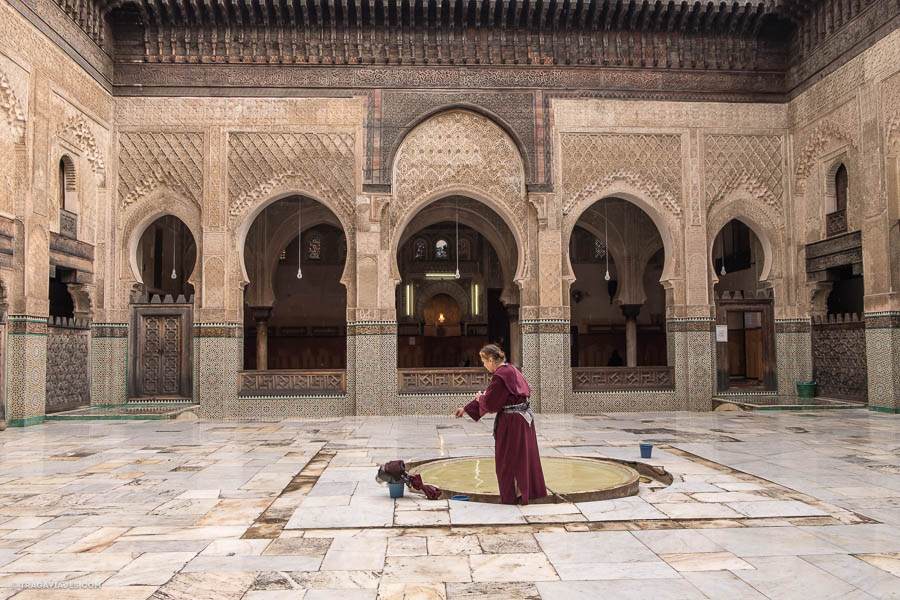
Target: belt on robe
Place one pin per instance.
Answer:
(523, 409)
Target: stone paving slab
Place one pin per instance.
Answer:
(763, 505)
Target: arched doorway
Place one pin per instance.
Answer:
(457, 259)
(295, 304)
(617, 303)
(165, 256)
(745, 320)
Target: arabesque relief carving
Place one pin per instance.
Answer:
(12, 110)
(77, 130)
(751, 162)
(150, 160)
(648, 162)
(321, 164)
(816, 142)
(455, 150)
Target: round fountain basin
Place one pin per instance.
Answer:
(568, 479)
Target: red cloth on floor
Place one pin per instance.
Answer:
(515, 447)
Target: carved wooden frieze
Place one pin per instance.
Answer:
(599, 379)
(442, 381)
(292, 382)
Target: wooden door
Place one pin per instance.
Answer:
(750, 349)
(161, 352)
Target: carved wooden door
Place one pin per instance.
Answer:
(161, 352)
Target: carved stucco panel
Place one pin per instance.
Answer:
(213, 282)
(648, 162)
(260, 164)
(890, 102)
(455, 150)
(828, 133)
(149, 160)
(751, 162)
(89, 137)
(12, 105)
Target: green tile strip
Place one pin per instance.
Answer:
(885, 409)
(26, 422)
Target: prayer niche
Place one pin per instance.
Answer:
(599, 248)
(419, 250)
(442, 250)
(464, 249)
(314, 247)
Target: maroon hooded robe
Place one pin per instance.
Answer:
(515, 446)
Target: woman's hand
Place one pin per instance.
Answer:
(459, 412)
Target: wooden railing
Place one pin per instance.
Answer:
(836, 222)
(292, 383)
(442, 381)
(602, 379)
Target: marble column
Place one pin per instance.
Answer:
(261, 314)
(631, 312)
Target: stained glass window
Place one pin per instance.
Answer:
(464, 249)
(314, 247)
(599, 248)
(441, 250)
(284, 254)
(419, 250)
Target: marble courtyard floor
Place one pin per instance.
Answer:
(764, 505)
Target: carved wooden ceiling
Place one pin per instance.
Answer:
(753, 34)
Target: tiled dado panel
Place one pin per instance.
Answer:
(695, 361)
(218, 356)
(372, 367)
(546, 364)
(638, 401)
(26, 370)
(793, 354)
(274, 408)
(883, 361)
(109, 363)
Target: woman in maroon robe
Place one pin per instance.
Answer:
(515, 441)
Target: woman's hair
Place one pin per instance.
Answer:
(493, 351)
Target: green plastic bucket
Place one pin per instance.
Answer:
(806, 390)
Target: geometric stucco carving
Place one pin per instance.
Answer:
(751, 162)
(893, 136)
(319, 163)
(150, 160)
(456, 150)
(77, 131)
(816, 142)
(12, 110)
(649, 162)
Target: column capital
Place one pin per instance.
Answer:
(261, 313)
(631, 311)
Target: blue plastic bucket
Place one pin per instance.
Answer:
(646, 449)
(396, 489)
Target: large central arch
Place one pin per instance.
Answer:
(459, 153)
